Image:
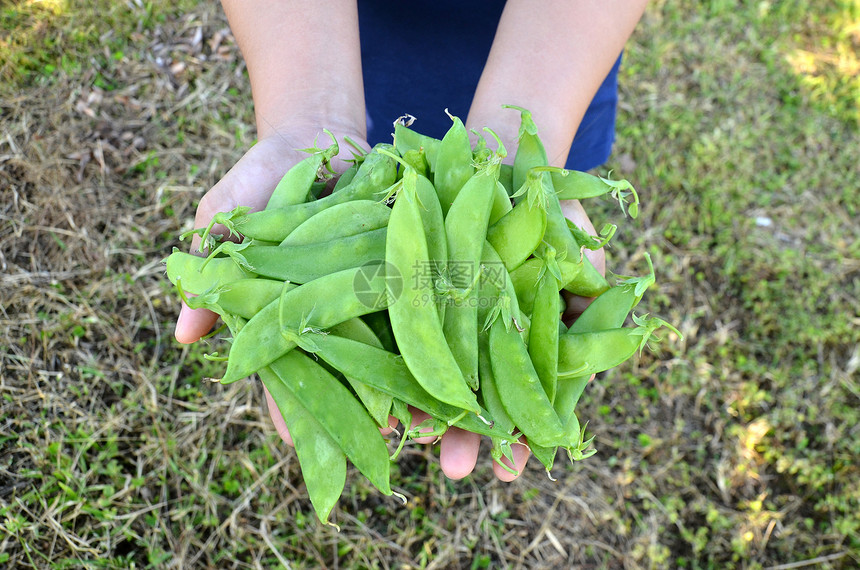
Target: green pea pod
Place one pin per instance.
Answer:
(546, 455)
(466, 230)
(320, 303)
(525, 279)
(339, 221)
(376, 402)
(583, 354)
(518, 234)
(198, 276)
(530, 150)
(611, 308)
(506, 178)
(322, 461)
(497, 297)
(339, 414)
(303, 263)
(493, 404)
(416, 324)
(243, 298)
(501, 203)
(389, 373)
(575, 185)
(377, 172)
(489, 392)
(434, 230)
(566, 399)
(520, 389)
(406, 139)
(543, 334)
(294, 187)
(453, 164)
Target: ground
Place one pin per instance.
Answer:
(736, 447)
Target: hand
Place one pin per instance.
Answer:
(250, 182)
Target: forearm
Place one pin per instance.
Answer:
(304, 63)
(550, 57)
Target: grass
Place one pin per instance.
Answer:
(736, 448)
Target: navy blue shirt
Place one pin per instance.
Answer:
(420, 58)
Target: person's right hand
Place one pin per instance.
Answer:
(250, 182)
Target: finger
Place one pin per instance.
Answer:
(192, 324)
(417, 417)
(392, 425)
(278, 419)
(458, 452)
(521, 453)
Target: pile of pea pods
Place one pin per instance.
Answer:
(432, 275)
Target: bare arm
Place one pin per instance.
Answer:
(550, 57)
(304, 63)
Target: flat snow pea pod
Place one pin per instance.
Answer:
(341, 220)
(198, 276)
(489, 392)
(543, 333)
(501, 203)
(406, 139)
(576, 185)
(339, 413)
(530, 149)
(493, 404)
(434, 224)
(303, 263)
(566, 399)
(247, 297)
(525, 279)
(320, 303)
(295, 185)
(518, 234)
(376, 402)
(611, 308)
(506, 178)
(466, 230)
(416, 325)
(322, 461)
(453, 164)
(377, 172)
(389, 373)
(583, 354)
(520, 388)
(546, 455)
(497, 297)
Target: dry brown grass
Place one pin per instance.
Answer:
(116, 452)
